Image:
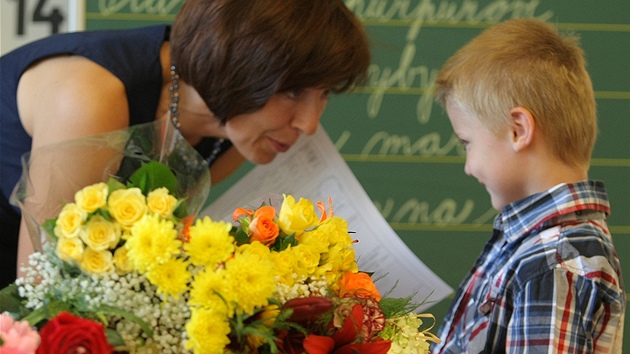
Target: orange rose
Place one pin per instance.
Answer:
(238, 212)
(263, 228)
(358, 284)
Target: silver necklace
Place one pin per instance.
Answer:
(174, 113)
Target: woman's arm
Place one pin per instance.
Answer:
(66, 97)
(63, 98)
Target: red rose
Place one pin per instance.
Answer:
(67, 333)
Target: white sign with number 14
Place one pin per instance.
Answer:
(24, 21)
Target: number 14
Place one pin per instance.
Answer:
(54, 16)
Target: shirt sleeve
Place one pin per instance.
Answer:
(563, 312)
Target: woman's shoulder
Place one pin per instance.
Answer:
(70, 94)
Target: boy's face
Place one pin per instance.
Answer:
(489, 158)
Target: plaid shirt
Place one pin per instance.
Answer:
(548, 281)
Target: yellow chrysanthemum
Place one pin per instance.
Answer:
(210, 242)
(153, 241)
(170, 277)
(255, 248)
(252, 281)
(207, 331)
(208, 289)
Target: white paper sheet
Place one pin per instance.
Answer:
(315, 170)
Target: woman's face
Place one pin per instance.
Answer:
(259, 136)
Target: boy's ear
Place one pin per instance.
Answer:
(523, 127)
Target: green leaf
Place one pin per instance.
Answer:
(114, 338)
(240, 237)
(110, 310)
(113, 185)
(49, 227)
(11, 302)
(153, 175)
(180, 209)
(49, 310)
(283, 243)
(244, 222)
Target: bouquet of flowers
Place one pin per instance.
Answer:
(132, 267)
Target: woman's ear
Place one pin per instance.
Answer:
(523, 128)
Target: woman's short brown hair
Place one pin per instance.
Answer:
(239, 53)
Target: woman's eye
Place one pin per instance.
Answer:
(293, 94)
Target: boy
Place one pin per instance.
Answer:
(520, 100)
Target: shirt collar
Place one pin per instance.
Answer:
(521, 217)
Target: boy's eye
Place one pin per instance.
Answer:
(464, 143)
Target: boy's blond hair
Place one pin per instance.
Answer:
(526, 63)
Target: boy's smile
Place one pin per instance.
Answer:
(489, 158)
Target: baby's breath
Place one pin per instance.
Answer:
(309, 287)
(132, 293)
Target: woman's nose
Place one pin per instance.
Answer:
(307, 117)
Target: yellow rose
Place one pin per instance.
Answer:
(121, 262)
(161, 203)
(316, 238)
(69, 221)
(296, 217)
(285, 262)
(100, 234)
(95, 262)
(69, 249)
(92, 197)
(336, 261)
(334, 258)
(336, 229)
(127, 206)
(307, 259)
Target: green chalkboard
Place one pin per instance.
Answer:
(399, 143)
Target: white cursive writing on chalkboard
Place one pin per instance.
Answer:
(160, 7)
(413, 211)
(433, 10)
(417, 13)
(404, 77)
(427, 145)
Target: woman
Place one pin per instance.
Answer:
(240, 79)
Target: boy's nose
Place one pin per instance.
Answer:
(467, 168)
